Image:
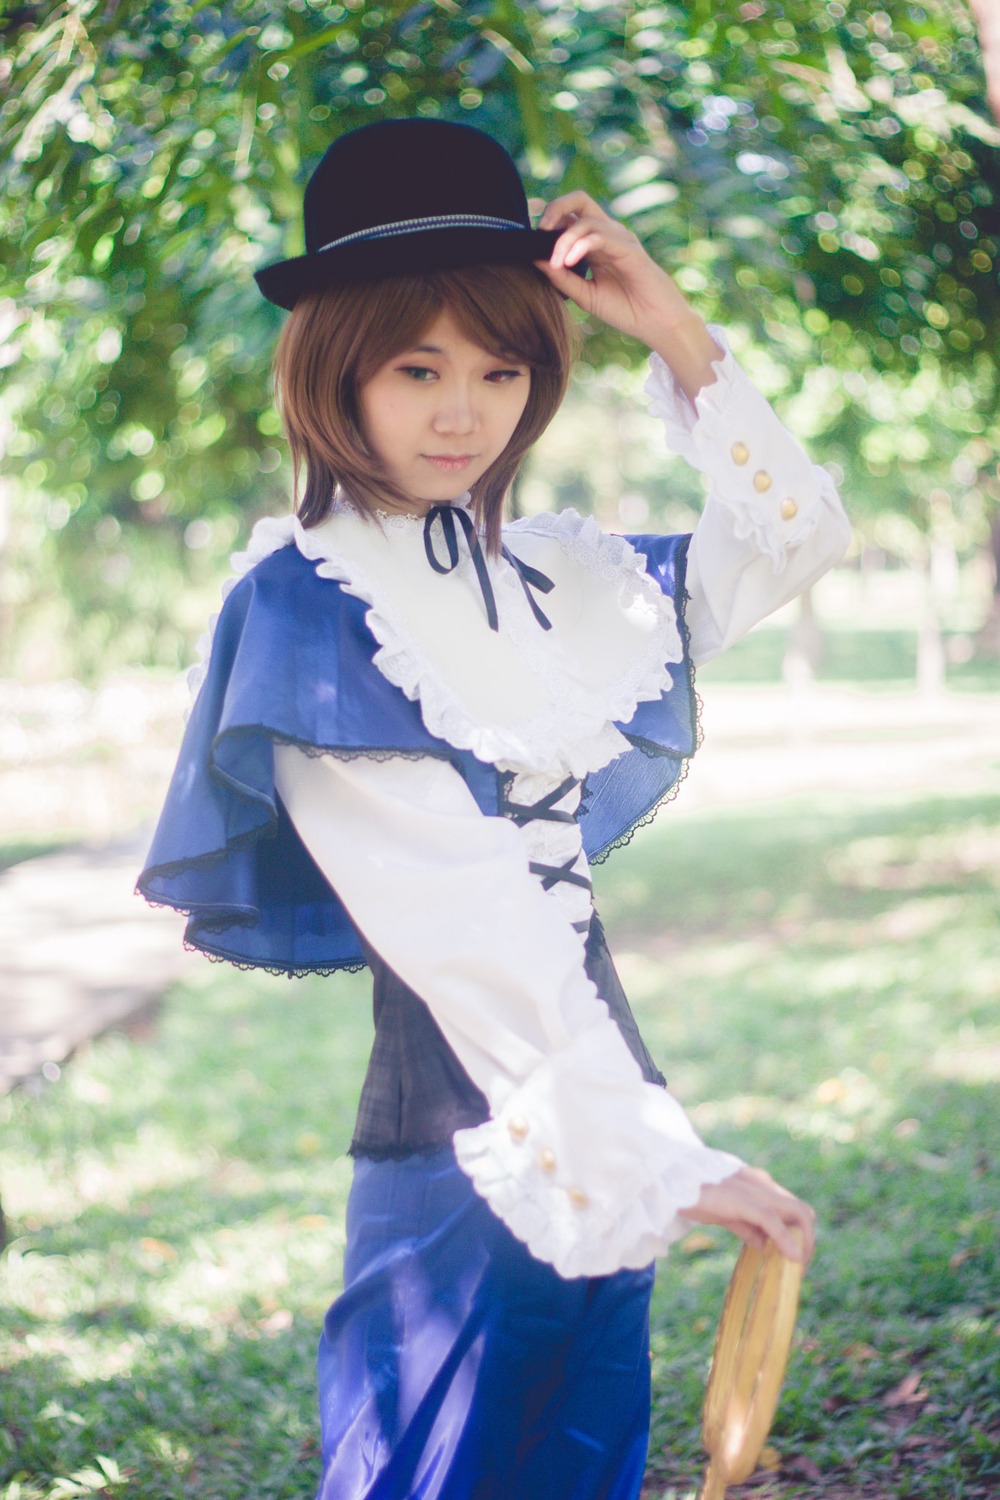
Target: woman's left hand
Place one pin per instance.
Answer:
(752, 1205)
(629, 290)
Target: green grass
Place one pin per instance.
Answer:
(828, 979)
(864, 658)
(31, 845)
(819, 981)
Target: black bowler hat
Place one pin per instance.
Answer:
(408, 195)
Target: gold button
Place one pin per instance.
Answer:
(517, 1127)
(740, 453)
(578, 1198)
(761, 481)
(789, 510)
(547, 1160)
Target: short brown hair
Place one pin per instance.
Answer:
(335, 340)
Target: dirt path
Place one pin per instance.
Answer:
(79, 953)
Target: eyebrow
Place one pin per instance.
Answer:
(434, 349)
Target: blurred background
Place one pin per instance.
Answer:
(823, 179)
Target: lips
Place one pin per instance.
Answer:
(449, 461)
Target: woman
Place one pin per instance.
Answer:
(417, 725)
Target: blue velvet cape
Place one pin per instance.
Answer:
(291, 663)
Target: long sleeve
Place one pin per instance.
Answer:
(772, 523)
(586, 1163)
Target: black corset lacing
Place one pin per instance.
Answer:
(545, 811)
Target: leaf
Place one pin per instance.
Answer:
(803, 1468)
(770, 1459)
(158, 1249)
(859, 1351)
(697, 1243)
(907, 1392)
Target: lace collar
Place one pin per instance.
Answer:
(520, 698)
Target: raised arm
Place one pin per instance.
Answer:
(773, 522)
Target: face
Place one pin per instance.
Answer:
(439, 414)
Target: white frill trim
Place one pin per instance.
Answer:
(269, 535)
(678, 413)
(732, 410)
(613, 559)
(576, 733)
(588, 1166)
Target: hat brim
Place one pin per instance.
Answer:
(284, 282)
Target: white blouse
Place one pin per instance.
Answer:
(588, 1164)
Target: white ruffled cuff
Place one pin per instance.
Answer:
(587, 1164)
(755, 468)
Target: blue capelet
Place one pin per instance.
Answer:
(291, 663)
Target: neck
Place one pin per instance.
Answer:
(414, 508)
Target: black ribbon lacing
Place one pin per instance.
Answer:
(530, 578)
(545, 811)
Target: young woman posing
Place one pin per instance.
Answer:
(417, 727)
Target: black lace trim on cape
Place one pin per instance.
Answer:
(681, 600)
(302, 971)
(234, 918)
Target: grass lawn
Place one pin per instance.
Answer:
(31, 846)
(871, 658)
(819, 981)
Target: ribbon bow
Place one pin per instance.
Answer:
(530, 578)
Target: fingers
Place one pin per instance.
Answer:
(793, 1235)
(562, 210)
(755, 1207)
(571, 247)
(569, 283)
(586, 229)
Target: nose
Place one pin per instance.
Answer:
(457, 411)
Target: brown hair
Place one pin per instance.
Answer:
(335, 340)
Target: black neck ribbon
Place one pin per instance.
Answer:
(530, 578)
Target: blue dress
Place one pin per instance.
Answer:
(456, 1366)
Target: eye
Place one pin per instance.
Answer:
(419, 373)
(503, 377)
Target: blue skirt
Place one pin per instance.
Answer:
(455, 1366)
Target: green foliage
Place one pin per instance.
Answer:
(825, 175)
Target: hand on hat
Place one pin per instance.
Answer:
(628, 290)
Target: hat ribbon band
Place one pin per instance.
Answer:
(417, 226)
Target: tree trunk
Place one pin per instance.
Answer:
(930, 643)
(988, 637)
